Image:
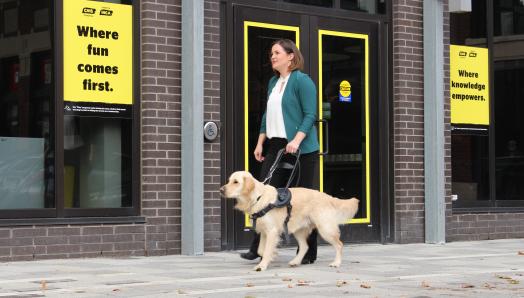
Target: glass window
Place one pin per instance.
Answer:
(509, 133)
(26, 106)
(508, 17)
(97, 149)
(97, 161)
(468, 24)
(324, 3)
(369, 6)
(469, 168)
(508, 53)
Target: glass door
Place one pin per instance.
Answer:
(338, 57)
(345, 53)
(255, 31)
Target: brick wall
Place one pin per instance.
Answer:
(485, 226)
(161, 135)
(408, 120)
(212, 207)
(161, 119)
(70, 241)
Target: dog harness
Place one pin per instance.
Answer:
(283, 194)
(283, 200)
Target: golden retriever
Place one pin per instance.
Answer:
(310, 209)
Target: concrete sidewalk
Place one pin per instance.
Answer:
(459, 269)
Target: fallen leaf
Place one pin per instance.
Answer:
(521, 253)
(287, 279)
(249, 285)
(425, 284)
(514, 281)
(365, 286)
(341, 283)
(116, 290)
(43, 285)
(303, 283)
(466, 286)
(502, 276)
(488, 286)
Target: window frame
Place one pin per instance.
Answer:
(59, 214)
(493, 204)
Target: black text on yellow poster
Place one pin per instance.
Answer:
(98, 56)
(469, 85)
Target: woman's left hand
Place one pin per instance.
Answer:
(292, 146)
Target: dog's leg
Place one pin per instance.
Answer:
(331, 233)
(301, 236)
(272, 238)
(262, 244)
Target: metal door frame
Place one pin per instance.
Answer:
(381, 109)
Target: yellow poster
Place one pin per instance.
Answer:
(469, 85)
(98, 52)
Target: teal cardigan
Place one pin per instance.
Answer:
(299, 109)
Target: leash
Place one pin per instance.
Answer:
(283, 194)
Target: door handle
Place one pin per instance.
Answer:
(325, 128)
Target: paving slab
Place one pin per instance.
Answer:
(490, 268)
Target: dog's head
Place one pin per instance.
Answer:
(241, 186)
(240, 183)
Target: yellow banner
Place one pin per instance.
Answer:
(469, 85)
(98, 52)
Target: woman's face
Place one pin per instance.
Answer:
(280, 60)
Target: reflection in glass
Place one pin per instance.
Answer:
(369, 6)
(26, 105)
(343, 106)
(509, 132)
(97, 162)
(324, 3)
(508, 17)
(468, 26)
(259, 72)
(469, 167)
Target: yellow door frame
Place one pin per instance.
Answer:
(364, 37)
(247, 24)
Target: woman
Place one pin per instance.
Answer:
(288, 123)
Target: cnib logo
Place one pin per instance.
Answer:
(88, 10)
(106, 12)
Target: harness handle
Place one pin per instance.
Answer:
(275, 164)
(294, 171)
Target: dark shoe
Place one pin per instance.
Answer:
(306, 261)
(249, 255)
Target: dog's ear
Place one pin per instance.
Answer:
(249, 184)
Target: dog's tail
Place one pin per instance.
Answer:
(346, 209)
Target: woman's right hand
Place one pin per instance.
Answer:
(258, 153)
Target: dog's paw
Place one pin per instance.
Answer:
(294, 263)
(335, 264)
(260, 267)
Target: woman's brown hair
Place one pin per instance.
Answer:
(289, 46)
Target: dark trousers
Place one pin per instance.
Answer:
(307, 177)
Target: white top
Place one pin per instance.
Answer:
(274, 118)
